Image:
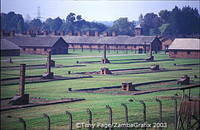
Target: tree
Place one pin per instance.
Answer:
(12, 22)
(141, 19)
(35, 25)
(70, 18)
(164, 15)
(123, 26)
(151, 21)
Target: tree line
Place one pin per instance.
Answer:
(185, 21)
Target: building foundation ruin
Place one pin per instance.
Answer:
(105, 71)
(128, 87)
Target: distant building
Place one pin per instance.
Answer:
(8, 48)
(185, 48)
(40, 45)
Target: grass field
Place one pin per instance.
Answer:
(95, 101)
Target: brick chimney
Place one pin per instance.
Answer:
(46, 33)
(114, 34)
(96, 33)
(78, 33)
(105, 34)
(58, 33)
(69, 33)
(12, 33)
(63, 33)
(54, 33)
(88, 33)
(2, 33)
(38, 32)
(29, 32)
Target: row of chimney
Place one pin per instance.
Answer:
(10, 33)
(63, 33)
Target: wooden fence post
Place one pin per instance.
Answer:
(70, 120)
(48, 121)
(21, 120)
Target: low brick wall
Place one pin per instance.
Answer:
(184, 54)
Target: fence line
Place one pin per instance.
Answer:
(110, 115)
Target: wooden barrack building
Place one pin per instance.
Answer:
(185, 48)
(40, 45)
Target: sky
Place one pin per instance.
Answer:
(92, 10)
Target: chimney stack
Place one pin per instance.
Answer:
(96, 33)
(88, 33)
(22, 79)
(46, 33)
(63, 33)
(105, 34)
(12, 33)
(69, 33)
(114, 34)
(54, 33)
(79, 33)
(2, 33)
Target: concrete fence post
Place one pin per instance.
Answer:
(160, 111)
(144, 112)
(48, 121)
(90, 117)
(70, 120)
(21, 120)
(126, 112)
(110, 115)
(175, 113)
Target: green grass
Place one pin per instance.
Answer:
(96, 102)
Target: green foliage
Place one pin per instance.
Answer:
(178, 22)
(151, 24)
(185, 21)
(12, 22)
(122, 26)
(35, 25)
(163, 28)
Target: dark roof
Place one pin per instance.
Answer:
(81, 39)
(8, 45)
(34, 41)
(120, 39)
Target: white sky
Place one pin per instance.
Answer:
(98, 10)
